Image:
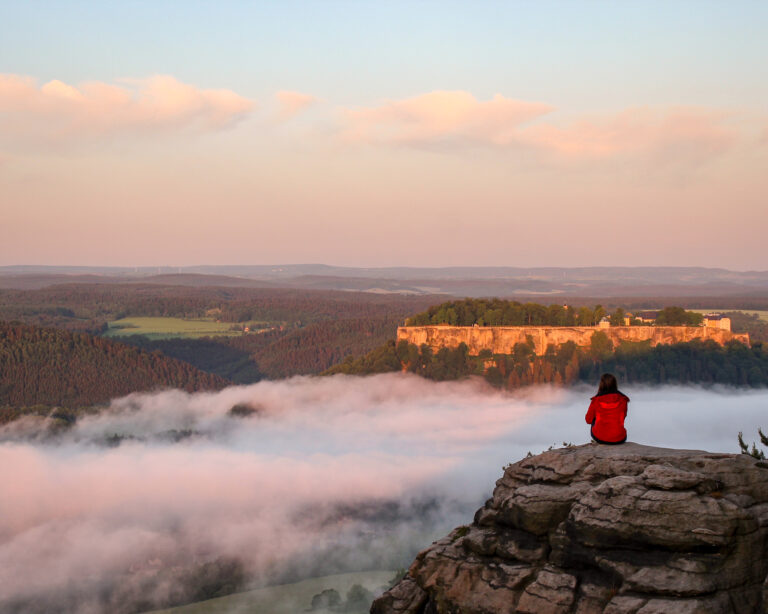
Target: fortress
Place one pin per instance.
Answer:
(502, 339)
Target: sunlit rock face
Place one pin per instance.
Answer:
(626, 529)
(502, 339)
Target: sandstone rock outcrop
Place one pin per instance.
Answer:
(502, 339)
(627, 529)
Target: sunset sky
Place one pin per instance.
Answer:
(384, 133)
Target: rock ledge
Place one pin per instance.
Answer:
(628, 529)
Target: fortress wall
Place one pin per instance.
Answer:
(502, 339)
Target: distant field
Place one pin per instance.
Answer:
(763, 314)
(286, 598)
(165, 328)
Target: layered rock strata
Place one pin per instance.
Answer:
(502, 339)
(627, 529)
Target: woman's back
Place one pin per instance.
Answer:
(607, 411)
(606, 414)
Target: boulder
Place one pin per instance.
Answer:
(593, 529)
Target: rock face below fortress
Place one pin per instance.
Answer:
(626, 529)
(502, 339)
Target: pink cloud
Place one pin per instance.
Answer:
(440, 117)
(292, 103)
(57, 111)
(457, 118)
(674, 131)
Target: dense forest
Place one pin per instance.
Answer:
(89, 307)
(684, 363)
(500, 312)
(53, 367)
(277, 353)
(315, 347)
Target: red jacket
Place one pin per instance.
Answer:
(606, 414)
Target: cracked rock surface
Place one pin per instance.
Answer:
(592, 529)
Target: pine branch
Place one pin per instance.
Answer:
(744, 447)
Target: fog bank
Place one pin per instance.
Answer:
(307, 476)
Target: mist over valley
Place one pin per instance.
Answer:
(285, 480)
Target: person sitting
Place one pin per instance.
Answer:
(607, 411)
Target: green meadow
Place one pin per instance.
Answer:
(166, 328)
(285, 598)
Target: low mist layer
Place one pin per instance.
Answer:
(170, 497)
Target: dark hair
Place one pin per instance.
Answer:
(608, 384)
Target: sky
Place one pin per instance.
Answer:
(377, 134)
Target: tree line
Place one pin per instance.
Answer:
(702, 362)
(500, 312)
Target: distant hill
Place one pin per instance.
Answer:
(54, 367)
(473, 281)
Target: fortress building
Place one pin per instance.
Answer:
(717, 320)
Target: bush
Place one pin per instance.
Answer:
(359, 599)
(328, 598)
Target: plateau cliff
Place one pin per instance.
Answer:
(502, 339)
(629, 529)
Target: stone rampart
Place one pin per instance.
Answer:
(502, 339)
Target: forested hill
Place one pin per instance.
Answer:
(53, 367)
